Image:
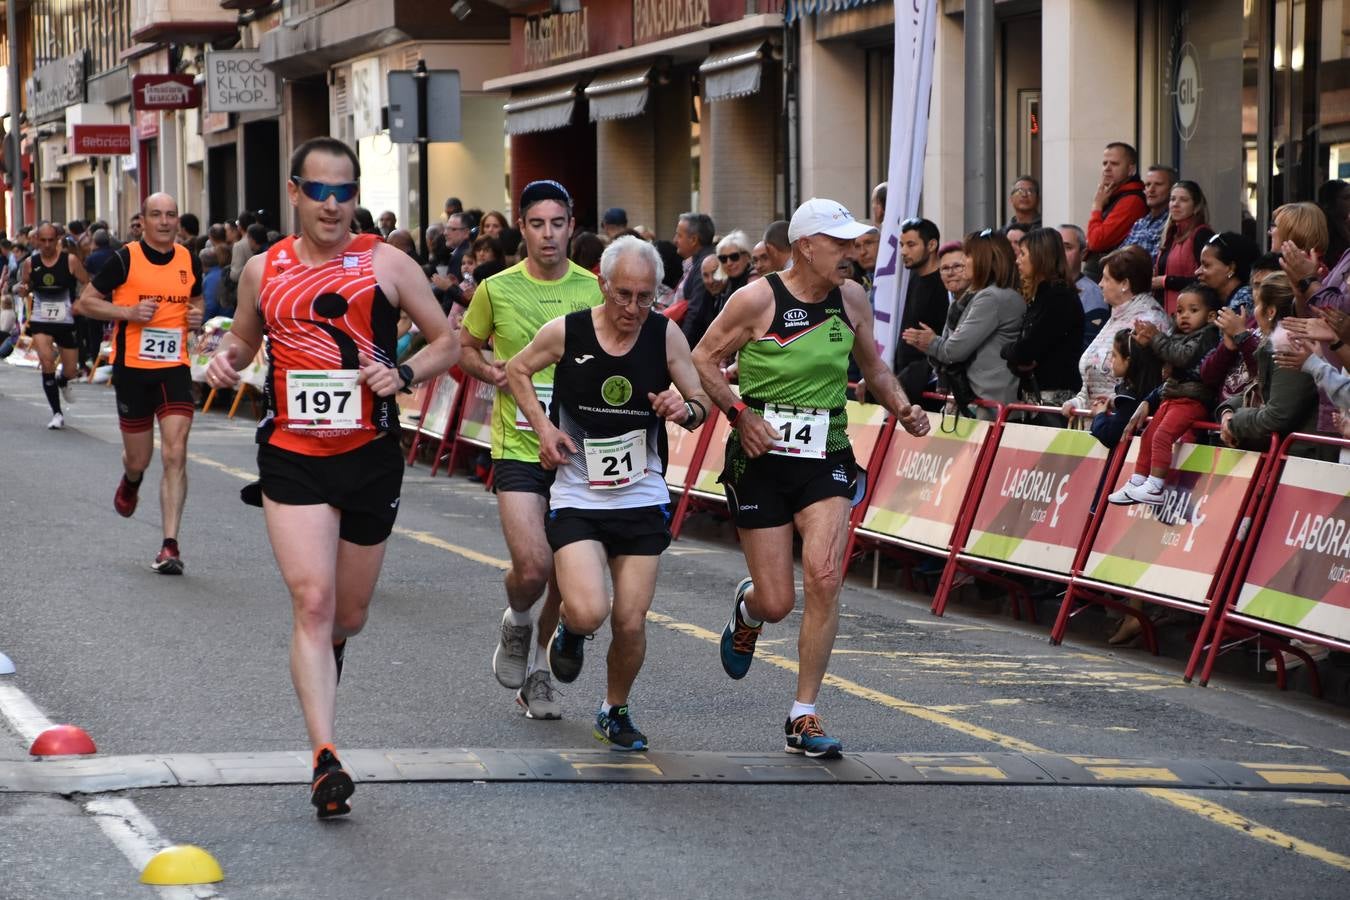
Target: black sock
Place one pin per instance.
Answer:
(134, 485)
(339, 650)
(171, 543)
(62, 380)
(49, 388)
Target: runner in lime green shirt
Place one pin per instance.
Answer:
(508, 309)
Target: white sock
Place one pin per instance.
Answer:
(1154, 483)
(538, 660)
(518, 618)
(1137, 479)
(800, 709)
(605, 707)
(749, 619)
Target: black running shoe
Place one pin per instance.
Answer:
(566, 653)
(168, 562)
(616, 728)
(331, 785)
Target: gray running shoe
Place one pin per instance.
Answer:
(538, 697)
(513, 652)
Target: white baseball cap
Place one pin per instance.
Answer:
(819, 216)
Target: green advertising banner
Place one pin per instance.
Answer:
(1175, 550)
(1036, 501)
(1300, 571)
(923, 482)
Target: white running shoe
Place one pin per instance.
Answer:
(538, 697)
(1136, 493)
(512, 656)
(57, 423)
(68, 393)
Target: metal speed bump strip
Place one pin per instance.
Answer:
(89, 775)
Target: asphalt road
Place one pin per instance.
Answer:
(153, 665)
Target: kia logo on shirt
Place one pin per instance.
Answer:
(795, 318)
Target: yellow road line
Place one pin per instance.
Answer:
(228, 470)
(432, 541)
(865, 693)
(1219, 815)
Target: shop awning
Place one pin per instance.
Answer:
(796, 9)
(541, 110)
(619, 95)
(733, 71)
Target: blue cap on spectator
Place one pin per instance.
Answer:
(615, 215)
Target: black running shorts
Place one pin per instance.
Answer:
(768, 491)
(63, 335)
(362, 484)
(146, 394)
(518, 475)
(639, 531)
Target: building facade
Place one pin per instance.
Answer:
(737, 108)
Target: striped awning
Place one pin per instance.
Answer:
(733, 71)
(619, 95)
(795, 9)
(544, 109)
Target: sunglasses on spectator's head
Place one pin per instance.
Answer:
(725, 258)
(319, 191)
(1217, 239)
(988, 232)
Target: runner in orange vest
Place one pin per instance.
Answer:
(155, 289)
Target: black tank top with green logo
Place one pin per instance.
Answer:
(802, 360)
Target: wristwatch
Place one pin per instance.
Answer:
(735, 411)
(1305, 283)
(405, 373)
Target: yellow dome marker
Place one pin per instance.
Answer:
(182, 864)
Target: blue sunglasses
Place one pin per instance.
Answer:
(319, 191)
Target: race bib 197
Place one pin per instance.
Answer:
(801, 432)
(161, 344)
(616, 462)
(327, 399)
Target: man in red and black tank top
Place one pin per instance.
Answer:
(329, 462)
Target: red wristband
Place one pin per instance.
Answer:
(734, 413)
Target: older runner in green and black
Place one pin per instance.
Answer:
(788, 462)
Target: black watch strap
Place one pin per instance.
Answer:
(1305, 283)
(405, 373)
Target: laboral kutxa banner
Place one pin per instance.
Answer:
(1300, 571)
(1175, 550)
(1036, 501)
(924, 480)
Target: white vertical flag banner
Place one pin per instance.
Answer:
(915, 35)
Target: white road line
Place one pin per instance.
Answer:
(25, 718)
(117, 817)
(138, 839)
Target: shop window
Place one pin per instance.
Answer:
(880, 87)
(1310, 96)
(88, 200)
(1029, 132)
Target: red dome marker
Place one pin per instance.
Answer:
(63, 740)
